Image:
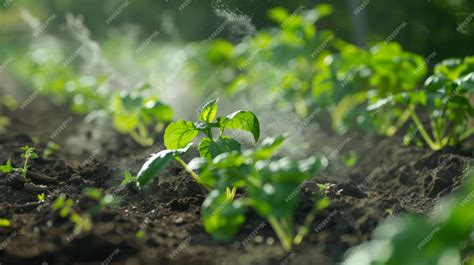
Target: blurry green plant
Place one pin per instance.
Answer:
(10, 104)
(134, 113)
(415, 240)
(65, 209)
(50, 149)
(445, 101)
(4, 222)
(83, 221)
(365, 77)
(311, 69)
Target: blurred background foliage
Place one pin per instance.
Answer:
(431, 25)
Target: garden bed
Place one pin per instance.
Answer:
(388, 179)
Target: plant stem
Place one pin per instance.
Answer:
(424, 133)
(141, 140)
(193, 174)
(304, 230)
(400, 122)
(231, 193)
(465, 135)
(284, 236)
(25, 167)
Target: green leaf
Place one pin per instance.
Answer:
(179, 134)
(278, 199)
(209, 111)
(156, 163)
(241, 120)
(210, 149)
(7, 168)
(278, 14)
(157, 110)
(221, 216)
(435, 82)
(128, 178)
(268, 147)
(125, 122)
(92, 193)
(4, 222)
(467, 83)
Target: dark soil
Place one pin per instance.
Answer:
(387, 176)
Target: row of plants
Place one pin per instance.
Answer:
(376, 89)
(267, 185)
(136, 111)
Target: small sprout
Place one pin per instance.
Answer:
(351, 159)
(7, 168)
(50, 149)
(4, 222)
(323, 188)
(107, 200)
(92, 193)
(140, 234)
(4, 122)
(134, 113)
(82, 221)
(28, 153)
(41, 198)
(128, 178)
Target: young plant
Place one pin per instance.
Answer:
(82, 221)
(4, 222)
(66, 210)
(133, 113)
(180, 134)
(273, 189)
(28, 153)
(41, 198)
(50, 149)
(446, 102)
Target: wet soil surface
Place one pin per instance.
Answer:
(387, 180)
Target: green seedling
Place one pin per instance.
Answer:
(50, 149)
(128, 178)
(28, 153)
(4, 222)
(134, 113)
(351, 159)
(273, 189)
(65, 208)
(445, 100)
(180, 134)
(82, 221)
(7, 167)
(102, 201)
(140, 234)
(41, 198)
